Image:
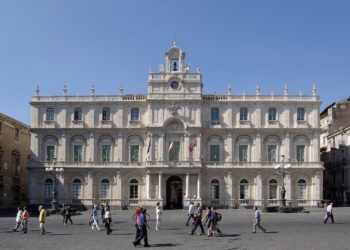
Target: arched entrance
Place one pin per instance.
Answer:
(174, 193)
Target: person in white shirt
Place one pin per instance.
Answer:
(329, 213)
(190, 213)
(158, 217)
(18, 219)
(108, 221)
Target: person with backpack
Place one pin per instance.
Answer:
(213, 222)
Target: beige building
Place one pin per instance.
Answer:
(14, 153)
(115, 147)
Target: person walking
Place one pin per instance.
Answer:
(256, 221)
(94, 216)
(102, 214)
(329, 213)
(142, 223)
(90, 217)
(190, 213)
(68, 215)
(108, 221)
(25, 218)
(137, 216)
(212, 229)
(107, 207)
(42, 219)
(198, 217)
(63, 213)
(158, 217)
(18, 218)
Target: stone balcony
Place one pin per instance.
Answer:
(77, 124)
(302, 124)
(273, 124)
(244, 124)
(105, 124)
(50, 124)
(134, 124)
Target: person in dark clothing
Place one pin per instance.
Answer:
(142, 223)
(68, 214)
(198, 218)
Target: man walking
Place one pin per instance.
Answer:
(18, 219)
(329, 213)
(256, 221)
(108, 221)
(94, 216)
(142, 223)
(42, 219)
(190, 213)
(198, 217)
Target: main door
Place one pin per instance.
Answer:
(174, 193)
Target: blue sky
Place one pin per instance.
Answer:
(109, 43)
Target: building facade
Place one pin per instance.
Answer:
(14, 153)
(176, 145)
(335, 151)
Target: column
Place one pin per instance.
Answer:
(197, 152)
(90, 188)
(187, 184)
(62, 153)
(119, 190)
(187, 144)
(258, 156)
(199, 183)
(229, 148)
(160, 187)
(286, 150)
(92, 149)
(161, 147)
(148, 180)
(259, 190)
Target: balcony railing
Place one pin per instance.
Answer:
(341, 143)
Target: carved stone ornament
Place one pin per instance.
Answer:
(173, 109)
(174, 125)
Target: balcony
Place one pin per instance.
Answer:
(134, 124)
(244, 124)
(341, 143)
(105, 124)
(273, 124)
(214, 124)
(50, 124)
(77, 124)
(302, 124)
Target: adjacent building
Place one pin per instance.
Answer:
(14, 153)
(175, 145)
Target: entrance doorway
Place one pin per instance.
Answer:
(174, 193)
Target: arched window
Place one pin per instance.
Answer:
(301, 189)
(272, 189)
(243, 114)
(78, 114)
(50, 114)
(215, 114)
(215, 189)
(135, 114)
(134, 189)
(301, 114)
(76, 189)
(48, 188)
(106, 114)
(244, 189)
(105, 188)
(272, 114)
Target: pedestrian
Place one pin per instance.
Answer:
(25, 218)
(142, 223)
(107, 207)
(158, 217)
(42, 219)
(256, 221)
(68, 215)
(329, 213)
(63, 213)
(94, 216)
(108, 221)
(18, 219)
(212, 229)
(190, 213)
(198, 218)
(137, 216)
(102, 213)
(90, 217)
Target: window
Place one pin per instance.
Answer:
(175, 154)
(215, 189)
(273, 189)
(78, 153)
(48, 188)
(16, 166)
(134, 153)
(16, 133)
(243, 114)
(106, 153)
(244, 189)
(76, 189)
(104, 188)
(50, 114)
(272, 114)
(301, 189)
(243, 153)
(50, 153)
(301, 114)
(135, 114)
(271, 153)
(214, 114)
(214, 152)
(78, 114)
(106, 114)
(134, 189)
(300, 153)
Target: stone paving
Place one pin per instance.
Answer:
(284, 231)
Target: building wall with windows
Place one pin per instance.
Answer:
(14, 152)
(176, 144)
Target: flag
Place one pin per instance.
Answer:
(171, 147)
(193, 144)
(149, 146)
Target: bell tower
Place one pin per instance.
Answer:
(175, 59)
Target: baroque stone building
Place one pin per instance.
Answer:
(223, 147)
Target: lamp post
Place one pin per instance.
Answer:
(54, 173)
(283, 170)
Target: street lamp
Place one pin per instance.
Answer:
(54, 173)
(283, 170)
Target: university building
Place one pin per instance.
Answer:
(223, 147)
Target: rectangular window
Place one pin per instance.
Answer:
(78, 114)
(175, 154)
(214, 152)
(244, 192)
(106, 114)
(78, 153)
(48, 191)
(214, 114)
(76, 191)
(301, 114)
(50, 153)
(16, 166)
(134, 114)
(134, 192)
(16, 133)
(271, 153)
(106, 153)
(104, 191)
(243, 153)
(301, 191)
(272, 114)
(134, 153)
(301, 153)
(50, 114)
(243, 114)
(214, 192)
(273, 191)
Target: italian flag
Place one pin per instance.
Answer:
(171, 147)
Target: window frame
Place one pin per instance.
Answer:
(50, 114)
(214, 189)
(77, 190)
(75, 156)
(243, 114)
(215, 114)
(302, 189)
(78, 114)
(48, 189)
(174, 156)
(214, 153)
(106, 114)
(106, 157)
(244, 186)
(133, 189)
(273, 183)
(301, 115)
(272, 114)
(105, 189)
(135, 114)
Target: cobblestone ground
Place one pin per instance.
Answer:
(284, 231)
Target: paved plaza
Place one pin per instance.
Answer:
(284, 231)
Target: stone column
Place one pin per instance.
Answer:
(160, 187)
(161, 147)
(229, 148)
(187, 144)
(259, 190)
(148, 180)
(62, 152)
(90, 188)
(286, 150)
(119, 190)
(258, 155)
(187, 184)
(199, 183)
(92, 149)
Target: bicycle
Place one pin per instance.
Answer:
(148, 217)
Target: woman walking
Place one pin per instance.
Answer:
(213, 218)
(25, 218)
(94, 216)
(142, 223)
(18, 218)
(108, 221)
(68, 214)
(158, 217)
(137, 215)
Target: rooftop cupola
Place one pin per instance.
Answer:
(175, 59)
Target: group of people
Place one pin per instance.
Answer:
(22, 219)
(106, 218)
(66, 213)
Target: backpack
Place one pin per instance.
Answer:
(218, 217)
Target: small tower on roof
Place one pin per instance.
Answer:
(175, 59)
